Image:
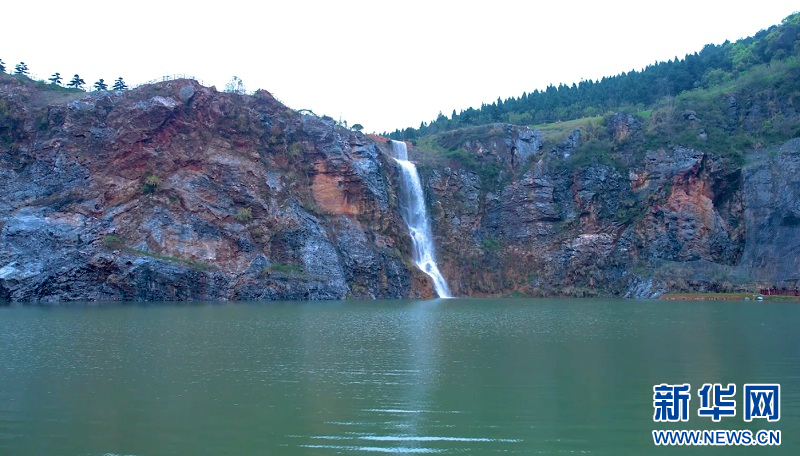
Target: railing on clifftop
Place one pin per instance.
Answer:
(172, 77)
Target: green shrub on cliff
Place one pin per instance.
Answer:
(490, 246)
(113, 241)
(487, 168)
(283, 269)
(244, 215)
(11, 122)
(595, 152)
(151, 183)
(116, 242)
(295, 150)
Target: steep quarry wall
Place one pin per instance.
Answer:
(670, 219)
(771, 192)
(175, 191)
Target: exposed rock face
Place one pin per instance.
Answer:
(174, 191)
(772, 214)
(700, 215)
(528, 142)
(676, 219)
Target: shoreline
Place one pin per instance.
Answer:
(726, 297)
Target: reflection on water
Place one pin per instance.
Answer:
(450, 376)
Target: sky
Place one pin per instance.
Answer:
(385, 65)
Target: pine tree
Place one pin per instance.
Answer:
(76, 82)
(2, 66)
(119, 84)
(55, 79)
(21, 68)
(101, 85)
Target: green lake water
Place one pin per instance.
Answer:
(460, 376)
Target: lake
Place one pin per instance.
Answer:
(459, 376)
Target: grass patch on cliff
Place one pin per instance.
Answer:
(630, 211)
(491, 246)
(593, 153)
(285, 268)
(287, 271)
(446, 150)
(113, 242)
(118, 243)
(453, 139)
(558, 131)
(244, 215)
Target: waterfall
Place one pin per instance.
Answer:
(412, 206)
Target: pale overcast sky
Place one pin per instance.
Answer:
(385, 65)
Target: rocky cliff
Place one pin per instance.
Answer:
(564, 219)
(771, 191)
(175, 191)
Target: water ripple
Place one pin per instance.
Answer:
(376, 449)
(411, 438)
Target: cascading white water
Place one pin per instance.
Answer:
(412, 206)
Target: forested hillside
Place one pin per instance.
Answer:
(715, 68)
(682, 177)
